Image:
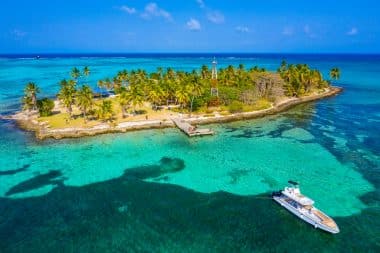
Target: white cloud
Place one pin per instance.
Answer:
(216, 17)
(288, 31)
(306, 29)
(309, 32)
(353, 31)
(152, 10)
(201, 4)
(242, 29)
(193, 25)
(127, 9)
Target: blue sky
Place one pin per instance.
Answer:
(42, 26)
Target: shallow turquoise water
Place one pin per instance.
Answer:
(113, 191)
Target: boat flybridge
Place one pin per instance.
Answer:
(302, 206)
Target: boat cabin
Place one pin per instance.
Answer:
(295, 194)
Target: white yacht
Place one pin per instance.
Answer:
(302, 206)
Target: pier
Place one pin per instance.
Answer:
(190, 130)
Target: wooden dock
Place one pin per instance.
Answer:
(191, 130)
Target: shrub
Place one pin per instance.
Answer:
(199, 102)
(214, 101)
(261, 104)
(235, 106)
(140, 112)
(45, 107)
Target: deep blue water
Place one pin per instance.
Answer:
(158, 191)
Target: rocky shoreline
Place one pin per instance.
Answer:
(29, 121)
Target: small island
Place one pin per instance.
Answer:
(135, 99)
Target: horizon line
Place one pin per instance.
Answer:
(184, 53)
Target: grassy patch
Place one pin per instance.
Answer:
(62, 120)
(261, 105)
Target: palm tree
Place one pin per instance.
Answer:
(283, 67)
(205, 73)
(30, 100)
(116, 84)
(86, 71)
(170, 73)
(105, 111)
(26, 103)
(108, 83)
(335, 73)
(182, 96)
(67, 95)
(124, 101)
(72, 82)
(315, 80)
(105, 84)
(194, 89)
(155, 95)
(135, 97)
(75, 73)
(85, 100)
(101, 85)
(123, 77)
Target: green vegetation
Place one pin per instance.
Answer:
(137, 92)
(75, 73)
(67, 95)
(300, 79)
(45, 107)
(29, 100)
(105, 111)
(235, 106)
(335, 73)
(84, 100)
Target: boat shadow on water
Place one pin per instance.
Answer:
(128, 214)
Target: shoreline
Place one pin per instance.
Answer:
(28, 121)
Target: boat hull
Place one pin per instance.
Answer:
(279, 199)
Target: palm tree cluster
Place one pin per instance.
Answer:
(158, 88)
(30, 101)
(70, 95)
(236, 86)
(190, 90)
(300, 79)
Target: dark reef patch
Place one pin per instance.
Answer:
(166, 165)
(249, 133)
(277, 133)
(355, 150)
(236, 174)
(229, 129)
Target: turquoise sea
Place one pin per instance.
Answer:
(159, 191)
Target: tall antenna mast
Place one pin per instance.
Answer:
(214, 79)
